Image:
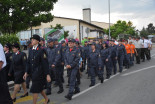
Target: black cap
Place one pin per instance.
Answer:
(42, 39)
(36, 37)
(63, 41)
(8, 45)
(104, 42)
(16, 45)
(50, 40)
(93, 43)
(55, 39)
(77, 42)
(70, 40)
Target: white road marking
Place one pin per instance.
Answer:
(84, 91)
(138, 71)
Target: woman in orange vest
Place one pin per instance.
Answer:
(129, 54)
(133, 51)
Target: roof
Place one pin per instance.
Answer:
(80, 21)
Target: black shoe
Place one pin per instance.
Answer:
(76, 91)
(69, 97)
(48, 93)
(102, 80)
(24, 95)
(143, 61)
(67, 86)
(91, 85)
(48, 101)
(60, 91)
(14, 100)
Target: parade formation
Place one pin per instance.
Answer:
(45, 64)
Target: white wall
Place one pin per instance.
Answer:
(72, 31)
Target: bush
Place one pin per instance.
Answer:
(9, 38)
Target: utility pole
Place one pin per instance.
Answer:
(109, 17)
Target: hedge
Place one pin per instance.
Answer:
(9, 38)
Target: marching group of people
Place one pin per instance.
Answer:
(45, 65)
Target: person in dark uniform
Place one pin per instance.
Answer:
(72, 58)
(8, 55)
(121, 54)
(64, 47)
(18, 66)
(57, 65)
(94, 64)
(106, 59)
(5, 97)
(28, 79)
(86, 49)
(37, 64)
(114, 56)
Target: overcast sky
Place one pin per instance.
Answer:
(140, 12)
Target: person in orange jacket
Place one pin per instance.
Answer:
(129, 54)
(133, 51)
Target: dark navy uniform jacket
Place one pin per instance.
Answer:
(94, 59)
(99, 47)
(86, 50)
(59, 58)
(51, 55)
(18, 64)
(72, 57)
(8, 56)
(105, 54)
(37, 64)
(114, 51)
(63, 53)
(121, 50)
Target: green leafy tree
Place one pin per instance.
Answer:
(18, 15)
(122, 27)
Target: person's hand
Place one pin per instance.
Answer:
(69, 66)
(48, 78)
(99, 68)
(53, 66)
(62, 63)
(106, 59)
(9, 74)
(25, 76)
(116, 58)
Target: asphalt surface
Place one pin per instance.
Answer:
(134, 86)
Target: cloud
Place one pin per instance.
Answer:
(140, 12)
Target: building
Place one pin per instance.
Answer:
(77, 28)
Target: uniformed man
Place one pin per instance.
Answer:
(114, 56)
(8, 55)
(106, 59)
(121, 54)
(5, 97)
(72, 58)
(64, 47)
(94, 64)
(38, 64)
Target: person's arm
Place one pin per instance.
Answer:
(1, 64)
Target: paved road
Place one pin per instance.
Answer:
(134, 86)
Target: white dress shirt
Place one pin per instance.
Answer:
(2, 56)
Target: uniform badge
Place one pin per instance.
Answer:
(10, 57)
(79, 54)
(24, 57)
(45, 56)
(99, 55)
(58, 52)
